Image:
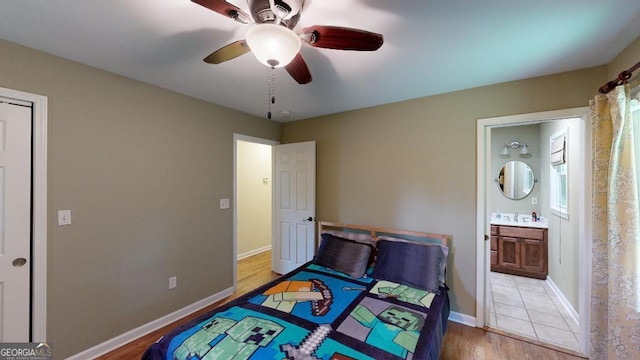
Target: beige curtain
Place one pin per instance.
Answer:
(615, 296)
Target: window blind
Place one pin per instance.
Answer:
(558, 150)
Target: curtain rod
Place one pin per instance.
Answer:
(621, 79)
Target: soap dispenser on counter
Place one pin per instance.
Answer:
(534, 216)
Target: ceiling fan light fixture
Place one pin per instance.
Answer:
(273, 45)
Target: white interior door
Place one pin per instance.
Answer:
(15, 222)
(295, 205)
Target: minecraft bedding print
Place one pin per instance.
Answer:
(315, 313)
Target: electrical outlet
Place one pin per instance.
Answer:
(64, 217)
(173, 282)
(534, 201)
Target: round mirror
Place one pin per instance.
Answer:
(516, 180)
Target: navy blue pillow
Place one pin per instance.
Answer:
(410, 264)
(344, 255)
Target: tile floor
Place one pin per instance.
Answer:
(528, 307)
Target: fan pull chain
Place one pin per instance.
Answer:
(272, 96)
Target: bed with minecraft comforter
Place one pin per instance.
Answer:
(370, 293)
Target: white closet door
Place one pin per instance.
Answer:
(15, 222)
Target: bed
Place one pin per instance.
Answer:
(369, 293)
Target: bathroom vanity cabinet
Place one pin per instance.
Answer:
(519, 251)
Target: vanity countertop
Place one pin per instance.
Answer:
(524, 220)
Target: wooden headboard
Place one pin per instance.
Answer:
(376, 232)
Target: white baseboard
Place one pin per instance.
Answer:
(254, 252)
(462, 319)
(131, 335)
(563, 300)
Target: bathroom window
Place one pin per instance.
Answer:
(558, 174)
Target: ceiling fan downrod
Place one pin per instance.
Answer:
(271, 92)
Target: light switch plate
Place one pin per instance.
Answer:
(64, 217)
(224, 203)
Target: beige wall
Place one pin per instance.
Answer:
(412, 165)
(142, 170)
(254, 197)
(626, 59)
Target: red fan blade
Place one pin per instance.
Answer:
(228, 52)
(341, 38)
(299, 70)
(224, 8)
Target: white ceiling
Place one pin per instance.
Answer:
(431, 46)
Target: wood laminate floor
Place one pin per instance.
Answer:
(464, 342)
(460, 342)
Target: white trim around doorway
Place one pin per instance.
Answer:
(482, 225)
(39, 211)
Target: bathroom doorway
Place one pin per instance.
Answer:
(546, 309)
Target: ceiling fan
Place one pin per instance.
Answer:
(272, 39)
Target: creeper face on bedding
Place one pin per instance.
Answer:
(404, 319)
(198, 343)
(255, 331)
(395, 330)
(406, 294)
(244, 338)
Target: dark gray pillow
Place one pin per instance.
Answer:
(411, 264)
(443, 260)
(353, 236)
(343, 255)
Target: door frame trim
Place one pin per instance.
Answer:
(39, 211)
(256, 140)
(584, 216)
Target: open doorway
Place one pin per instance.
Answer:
(288, 209)
(253, 193)
(510, 298)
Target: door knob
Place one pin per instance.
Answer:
(308, 219)
(19, 262)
